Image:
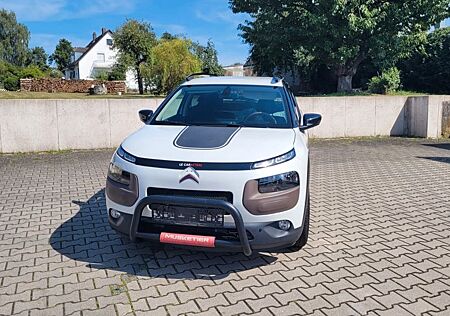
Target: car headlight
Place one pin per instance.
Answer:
(124, 155)
(274, 161)
(115, 173)
(279, 182)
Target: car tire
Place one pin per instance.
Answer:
(303, 239)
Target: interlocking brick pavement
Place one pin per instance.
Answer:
(379, 242)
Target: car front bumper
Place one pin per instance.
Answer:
(249, 236)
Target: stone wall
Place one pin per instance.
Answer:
(70, 86)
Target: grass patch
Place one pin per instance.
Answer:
(407, 93)
(61, 95)
(366, 93)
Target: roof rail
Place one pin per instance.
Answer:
(205, 72)
(276, 79)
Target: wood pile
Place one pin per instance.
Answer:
(69, 86)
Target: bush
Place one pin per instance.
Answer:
(32, 71)
(118, 72)
(55, 73)
(101, 75)
(388, 81)
(11, 83)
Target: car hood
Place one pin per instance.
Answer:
(209, 144)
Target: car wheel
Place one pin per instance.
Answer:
(303, 239)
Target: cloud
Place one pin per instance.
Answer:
(171, 28)
(213, 16)
(34, 10)
(57, 10)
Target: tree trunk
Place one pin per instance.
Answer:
(345, 83)
(139, 80)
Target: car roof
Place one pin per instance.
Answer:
(225, 80)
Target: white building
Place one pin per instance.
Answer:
(236, 69)
(98, 56)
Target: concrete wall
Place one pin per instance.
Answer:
(39, 125)
(419, 116)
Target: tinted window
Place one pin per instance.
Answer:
(242, 105)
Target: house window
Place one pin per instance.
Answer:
(100, 57)
(109, 42)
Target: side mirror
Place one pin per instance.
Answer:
(310, 120)
(145, 115)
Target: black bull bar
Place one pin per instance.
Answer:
(191, 202)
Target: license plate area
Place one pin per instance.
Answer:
(191, 216)
(187, 240)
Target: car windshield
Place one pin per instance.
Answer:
(226, 105)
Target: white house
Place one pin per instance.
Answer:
(98, 56)
(236, 69)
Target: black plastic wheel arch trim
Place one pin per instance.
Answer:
(193, 202)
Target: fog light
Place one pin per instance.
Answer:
(284, 225)
(114, 213)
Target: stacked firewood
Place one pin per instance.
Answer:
(70, 86)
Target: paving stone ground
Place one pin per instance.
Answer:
(379, 242)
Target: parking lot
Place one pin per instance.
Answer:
(379, 242)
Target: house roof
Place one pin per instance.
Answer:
(79, 49)
(87, 48)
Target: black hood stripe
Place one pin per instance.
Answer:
(205, 137)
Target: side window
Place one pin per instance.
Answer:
(295, 109)
(298, 113)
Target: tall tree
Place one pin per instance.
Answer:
(62, 54)
(338, 33)
(14, 39)
(208, 55)
(173, 61)
(429, 70)
(37, 56)
(168, 36)
(134, 41)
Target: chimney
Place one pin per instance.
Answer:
(94, 36)
(104, 30)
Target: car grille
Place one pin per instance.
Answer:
(215, 195)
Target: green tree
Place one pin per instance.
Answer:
(134, 41)
(208, 56)
(338, 33)
(37, 56)
(14, 39)
(168, 36)
(62, 54)
(118, 72)
(428, 70)
(173, 61)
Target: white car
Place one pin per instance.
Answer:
(222, 163)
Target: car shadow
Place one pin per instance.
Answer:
(88, 237)
(437, 159)
(445, 146)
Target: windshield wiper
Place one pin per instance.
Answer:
(217, 125)
(170, 123)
